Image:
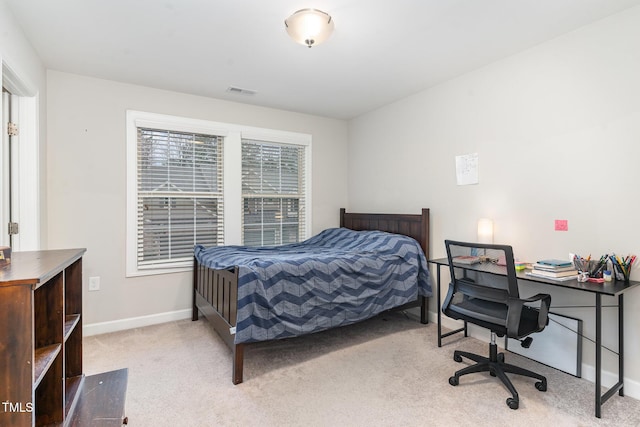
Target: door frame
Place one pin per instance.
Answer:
(25, 191)
(5, 192)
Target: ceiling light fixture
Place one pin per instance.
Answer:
(309, 27)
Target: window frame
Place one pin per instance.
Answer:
(139, 119)
(232, 178)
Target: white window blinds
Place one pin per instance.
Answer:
(273, 193)
(179, 196)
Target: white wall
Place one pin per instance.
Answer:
(87, 183)
(18, 55)
(557, 131)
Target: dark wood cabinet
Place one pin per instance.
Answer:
(41, 376)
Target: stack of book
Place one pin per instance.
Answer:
(466, 259)
(554, 269)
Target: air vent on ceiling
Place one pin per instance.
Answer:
(240, 91)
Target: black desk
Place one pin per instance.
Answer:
(614, 288)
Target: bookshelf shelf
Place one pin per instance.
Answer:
(43, 358)
(70, 323)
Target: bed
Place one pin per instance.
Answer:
(260, 294)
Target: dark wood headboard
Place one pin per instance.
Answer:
(415, 226)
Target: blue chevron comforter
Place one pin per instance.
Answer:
(335, 278)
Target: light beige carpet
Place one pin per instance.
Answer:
(387, 371)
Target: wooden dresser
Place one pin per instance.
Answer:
(41, 376)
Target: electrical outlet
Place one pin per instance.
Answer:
(562, 225)
(94, 283)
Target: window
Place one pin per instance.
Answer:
(178, 195)
(200, 182)
(273, 193)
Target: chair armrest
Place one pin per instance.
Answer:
(545, 303)
(515, 311)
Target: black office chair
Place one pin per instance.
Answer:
(486, 294)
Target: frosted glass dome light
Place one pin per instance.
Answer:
(309, 27)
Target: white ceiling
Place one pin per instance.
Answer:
(381, 51)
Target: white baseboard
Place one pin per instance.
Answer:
(631, 387)
(135, 322)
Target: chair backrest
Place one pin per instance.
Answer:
(483, 286)
(491, 266)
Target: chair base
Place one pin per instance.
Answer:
(496, 366)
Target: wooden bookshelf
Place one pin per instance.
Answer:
(41, 374)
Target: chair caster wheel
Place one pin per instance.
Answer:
(501, 357)
(457, 358)
(512, 403)
(541, 386)
(453, 381)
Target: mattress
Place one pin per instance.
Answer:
(335, 278)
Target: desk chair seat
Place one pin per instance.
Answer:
(481, 294)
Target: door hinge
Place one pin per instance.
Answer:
(13, 228)
(12, 129)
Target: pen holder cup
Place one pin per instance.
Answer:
(622, 276)
(587, 268)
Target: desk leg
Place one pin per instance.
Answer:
(439, 311)
(598, 355)
(619, 386)
(621, 344)
(440, 334)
